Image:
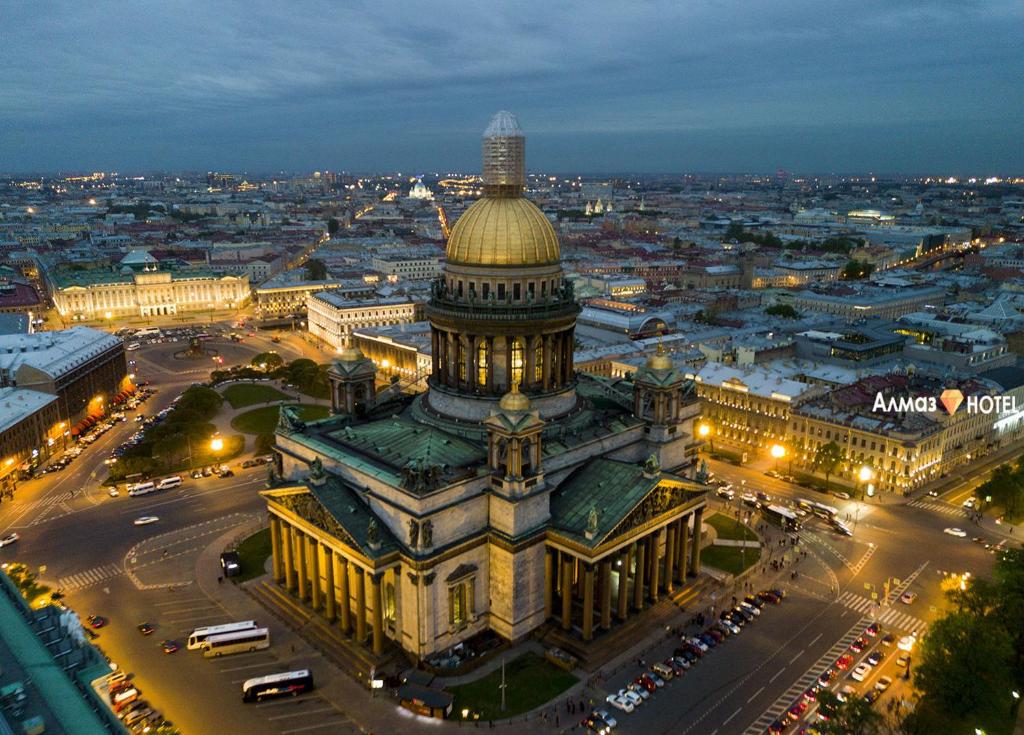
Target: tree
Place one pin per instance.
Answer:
(852, 717)
(333, 225)
(965, 665)
(272, 360)
(827, 458)
(784, 310)
(857, 269)
(316, 270)
(1006, 487)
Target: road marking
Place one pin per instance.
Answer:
(88, 577)
(777, 674)
(303, 713)
(816, 639)
(243, 668)
(727, 719)
(798, 655)
(182, 602)
(314, 727)
(179, 621)
(753, 696)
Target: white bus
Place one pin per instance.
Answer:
(819, 509)
(291, 683)
(148, 332)
(169, 482)
(240, 642)
(197, 636)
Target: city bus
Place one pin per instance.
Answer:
(784, 518)
(291, 683)
(819, 509)
(241, 642)
(197, 636)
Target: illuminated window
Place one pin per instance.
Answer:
(481, 364)
(461, 603)
(517, 362)
(460, 359)
(538, 362)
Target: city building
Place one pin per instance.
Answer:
(860, 303)
(515, 491)
(282, 299)
(746, 409)
(400, 349)
(332, 317)
(29, 427)
(139, 287)
(410, 269)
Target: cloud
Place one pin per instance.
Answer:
(284, 75)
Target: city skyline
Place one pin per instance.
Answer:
(913, 89)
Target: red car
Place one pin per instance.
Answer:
(97, 621)
(646, 682)
(858, 645)
(794, 713)
(811, 695)
(872, 630)
(844, 661)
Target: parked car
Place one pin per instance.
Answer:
(860, 672)
(9, 539)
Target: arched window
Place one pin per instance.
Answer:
(517, 362)
(481, 364)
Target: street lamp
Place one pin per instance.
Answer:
(865, 475)
(216, 444)
(778, 452)
(704, 432)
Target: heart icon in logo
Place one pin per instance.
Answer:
(951, 398)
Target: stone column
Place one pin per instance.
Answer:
(529, 347)
(360, 605)
(275, 549)
(435, 358)
(314, 568)
(546, 366)
(300, 542)
(378, 614)
(588, 602)
(470, 360)
(508, 362)
(670, 556)
(331, 610)
(289, 558)
(626, 558)
(346, 604)
(655, 566)
(684, 540)
(549, 581)
(698, 518)
(567, 564)
(638, 575)
(490, 365)
(605, 583)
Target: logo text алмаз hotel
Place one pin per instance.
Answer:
(950, 399)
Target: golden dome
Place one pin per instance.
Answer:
(514, 400)
(350, 353)
(503, 231)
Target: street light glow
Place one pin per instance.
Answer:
(778, 451)
(704, 430)
(866, 474)
(216, 444)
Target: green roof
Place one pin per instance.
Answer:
(63, 278)
(399, 442)
(352, 514)
(67, 704)
(613, 489)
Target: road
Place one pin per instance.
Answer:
(86, 545)
(748, 682)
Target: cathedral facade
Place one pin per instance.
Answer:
(515, 492)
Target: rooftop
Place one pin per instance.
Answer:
(54, 353)
(17, 404)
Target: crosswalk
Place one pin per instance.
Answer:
(889, 617)
(855, 568)
(937, 507)
(801, 685)
(89, 577)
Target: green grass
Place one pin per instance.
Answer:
(531, 681)
(253, 553)
(729, 558)
(234, 444)
(833, 484)
(263, 420)
(728, 528)
(241, 395)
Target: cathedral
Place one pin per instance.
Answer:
(515, 492)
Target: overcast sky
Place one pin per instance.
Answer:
(599, 86)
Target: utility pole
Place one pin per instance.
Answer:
(503, 685)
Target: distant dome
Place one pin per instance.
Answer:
(503, 231)
(350, 353)
(660, 360)
(514, 400)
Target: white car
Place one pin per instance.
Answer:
(907, 643)
(642, 691)
(860, 672)
(698, 643)
(112, 492)
(883, 683)
(971, 503)
(632, 697)
(958, 532)
(619, 702)
(907, 598)
(9, 539)
(146, 520)
(607, 717)
(752, 609)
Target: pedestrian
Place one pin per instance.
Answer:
(293, 648)
(556, 719)
(220, 580)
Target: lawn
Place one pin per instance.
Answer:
(728, 528)
(530, 682)
(263, 420)
(253, 553)
(729, 558)
(819, 483)
(241, 395)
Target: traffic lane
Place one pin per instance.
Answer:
(746, 664)
(170, 682)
